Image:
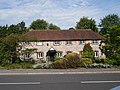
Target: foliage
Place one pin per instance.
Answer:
(8, 44)
(13, 29)
(53, 27)
(22, 65)
(28, 51)
(71, 28)
(85, 23)
(87, 56)
(41, 24)
(88, 51)
(59, 64)
(71, 60)
(111, 30)
(107, 21)
(100, 65)
(86, 62)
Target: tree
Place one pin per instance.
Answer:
(53, 27)
(13, 29)
(111, 31)
(88, 55)
(71, 28)
(39, 24)
(88, 51)
(112, 47)
(85, 23)
(21, 28)
(3, 31)
(8, 45)
(107, 21)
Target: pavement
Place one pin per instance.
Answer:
(58, 71)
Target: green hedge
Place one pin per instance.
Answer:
(71, 60)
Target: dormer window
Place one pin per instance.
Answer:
(57, 43)
(68, 42)
(82, 42)
(95, 42)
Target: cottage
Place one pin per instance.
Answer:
(46, 43)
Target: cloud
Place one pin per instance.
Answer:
(64, 13)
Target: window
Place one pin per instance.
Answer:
(57, 43)
(82, 42)
(94, 42)
(96, 54)
(40, 54)
(39, 43)
(27, 55)
(59, 54)
(68, 42)
(27, 43)
(69, 52)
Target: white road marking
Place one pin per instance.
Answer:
(87, 82)
(24, 83)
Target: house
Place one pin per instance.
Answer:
(60, 42)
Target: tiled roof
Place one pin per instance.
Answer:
(51, 35)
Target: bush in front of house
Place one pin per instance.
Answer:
(59, 64)
(71, 60)
(21, 65)
(86, 62)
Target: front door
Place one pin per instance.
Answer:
(51, 53)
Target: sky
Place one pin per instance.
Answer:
(63, 13)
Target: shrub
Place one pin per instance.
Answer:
(60, 64)
(86, 62)
(97, 60)
(110, 61)
(13, 66)
(22, 65)
(71, 60)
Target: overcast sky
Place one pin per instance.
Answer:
(64, 13)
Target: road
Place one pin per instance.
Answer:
(60, 82)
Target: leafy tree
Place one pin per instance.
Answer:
(111, 31)
(21, 28)
(39, 24)
(85, 23)
(13, 29)
(88, 51)
(8, 44)
(53, 27)
(71, 28)
(112, 47)
(88, 55)
(3, 31)
(107, 21)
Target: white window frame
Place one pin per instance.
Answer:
(82, 42)
(96, 54)
(68, 42)
(59, 54)
(40, 54)
(56, 42)
(27, 55)
(95, 42)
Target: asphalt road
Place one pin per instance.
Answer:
(60, 82)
